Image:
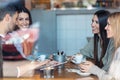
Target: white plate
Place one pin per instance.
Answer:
(78, 72)
(83, 74)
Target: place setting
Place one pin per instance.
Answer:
(76, 60)
(62, 63)
(58, 61)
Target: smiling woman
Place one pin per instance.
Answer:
(95, 25)
(18, 44)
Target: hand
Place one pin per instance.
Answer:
(85, 66)
(30, 66)
(71, 58)
(53, 63)
(37, 64)
(51, 57)
(45, 62)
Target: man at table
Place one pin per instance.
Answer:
(8, 16)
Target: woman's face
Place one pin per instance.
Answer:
(23, 20)
(95, 25)
(109, 30)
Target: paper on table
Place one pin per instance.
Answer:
(52, 65)
(29, 66)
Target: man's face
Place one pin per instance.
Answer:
(12, 22)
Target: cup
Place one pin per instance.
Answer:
(48, 72)
(78, 58)
(42, 57)
(60, 58)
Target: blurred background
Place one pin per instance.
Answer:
(48, 4)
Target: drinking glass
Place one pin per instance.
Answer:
(48, 72)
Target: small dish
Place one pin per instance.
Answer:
(83, 74)
(78, 72)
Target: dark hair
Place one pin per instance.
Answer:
(25, 10)
(102, 19)
(8, 9)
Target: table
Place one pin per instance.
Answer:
(60, 74)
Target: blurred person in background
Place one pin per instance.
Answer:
(26, 28)
(23, 39)
(8, 17)
(23, 36)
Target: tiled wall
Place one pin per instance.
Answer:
(64, 32)
(72, 31)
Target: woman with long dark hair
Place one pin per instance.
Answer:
(99, 48)
(100, 37)
(22, 9)
(113, 32)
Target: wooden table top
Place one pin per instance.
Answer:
(59, 74)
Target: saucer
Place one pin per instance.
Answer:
(78, 72)
(83, 74)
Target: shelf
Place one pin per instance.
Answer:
(99, 3)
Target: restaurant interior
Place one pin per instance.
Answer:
(65, 27)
